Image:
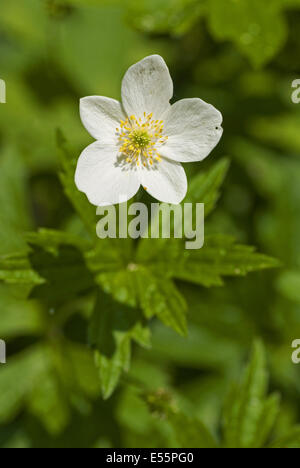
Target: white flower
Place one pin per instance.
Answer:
(143, 140)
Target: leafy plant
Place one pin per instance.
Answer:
(85, 318)
(132, 284)
(248, 419)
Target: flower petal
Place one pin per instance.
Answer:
(147, 87)
(166, 181)
(193, 128)
(101, 116)
(103, 177)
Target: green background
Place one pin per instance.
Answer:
(101, 354)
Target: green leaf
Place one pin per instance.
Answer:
(159, 296)
(121, 285)
(205, 187)
(25, 369)
(112, 328)
(270, 411)
(219, 257)
(194, 435)
(155, 294)
(257, 28)
(110, 370)
(16, 269)
(48, 402)
(85, 373)
(247, 409)
(51, 240)
(64, 273)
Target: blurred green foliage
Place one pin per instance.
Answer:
(101, 334)
(248, 416)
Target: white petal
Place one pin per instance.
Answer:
(103, 177)
(101, 117)
(166, 181)
(193, 128)
(147, 87)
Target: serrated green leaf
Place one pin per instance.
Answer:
(205, 187)
(245, 405)
(104, 258)
(268, 418)
(194, 434)
(156, 295)
(16, 269)
(112, 328)
(110, 370)
(51, 239)
(64, 274)
(159, 296)
(121, 285)
(220, 257)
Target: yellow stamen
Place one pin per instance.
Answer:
(138, 139)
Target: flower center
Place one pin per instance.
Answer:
(140, 139)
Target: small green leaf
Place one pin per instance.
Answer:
(112, 328)
(110, 370)
(246, 406)
(205, 187)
